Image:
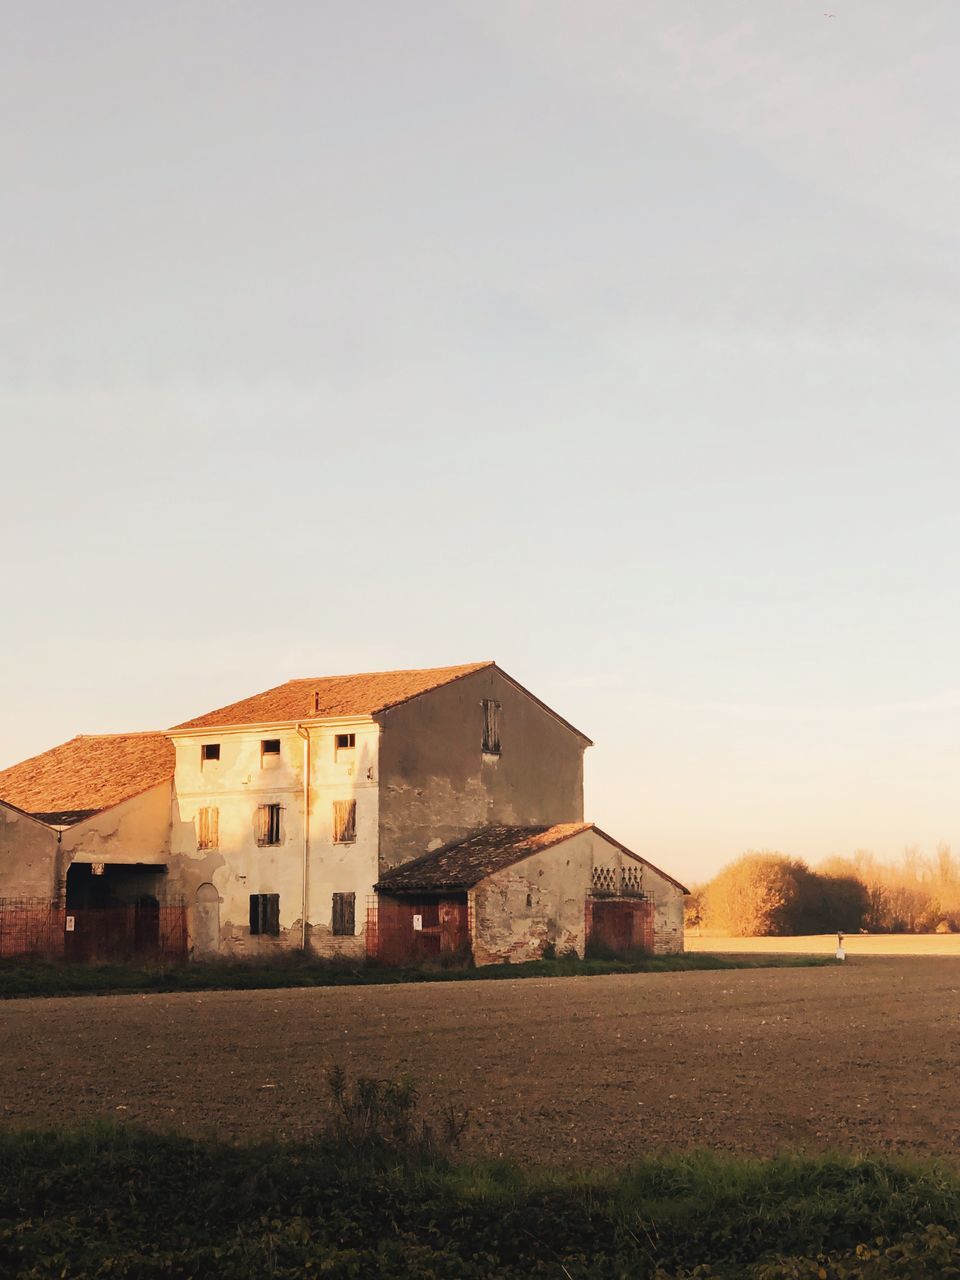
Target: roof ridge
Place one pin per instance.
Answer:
(395, 671)
(355, 693)
(129, 733)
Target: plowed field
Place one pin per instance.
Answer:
(854, 1057)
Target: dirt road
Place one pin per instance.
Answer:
(854, 1057)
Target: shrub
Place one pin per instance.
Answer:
(378, 1117)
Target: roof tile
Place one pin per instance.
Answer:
(464, 863)
(87, 774)
(327, 696)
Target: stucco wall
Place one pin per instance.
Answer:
(437, 785)
(536, 901)
(668, 912)
(138, 830)
(28, 856)
(237, 785)
(542, 899)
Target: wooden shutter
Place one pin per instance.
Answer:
(272, 913)
(344, 821)
(208, 833)
(265, 913)
(344, 915)
(491, 727)
(268, 824)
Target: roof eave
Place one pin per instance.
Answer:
(639, 857)
(254, 726)
(24, 813)
(96, 813)
(588, 742)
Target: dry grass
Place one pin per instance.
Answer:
(855, 944)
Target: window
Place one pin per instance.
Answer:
(269, 753)
(209, 751)
(344, 821)
(344, 914)
(265, 913)
(491, 727)
(268, 824)
(208, 828)
(346, 741)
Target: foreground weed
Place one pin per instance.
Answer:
(374, 1197)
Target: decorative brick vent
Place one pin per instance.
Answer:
(617, 882)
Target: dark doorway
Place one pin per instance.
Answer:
(113, 911)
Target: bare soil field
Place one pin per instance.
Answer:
(854, 1057)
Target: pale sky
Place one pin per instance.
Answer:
(612, 339)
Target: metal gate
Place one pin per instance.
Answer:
(619, 925)
(420, 929)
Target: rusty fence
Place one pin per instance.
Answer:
(144, 931)
(31, 926)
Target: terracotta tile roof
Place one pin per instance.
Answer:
(466, 862)
(87, 774)
(323, 696)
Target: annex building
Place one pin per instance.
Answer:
(405, 815)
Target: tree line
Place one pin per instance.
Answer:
(764, 893)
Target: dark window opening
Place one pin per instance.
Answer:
(270, 747)
(268, 824)
(265, 913)
(346, 741)
(491, 727)
(209, 751)
(529, 899)
(344, 914)
(344, 821)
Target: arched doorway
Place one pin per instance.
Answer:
(206, 921)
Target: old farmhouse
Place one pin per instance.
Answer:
(405, 815)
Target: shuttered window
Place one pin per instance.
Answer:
(268, 824)
(344, 821)
(491, 727)
(208, 828)
(265, 913)
(344, 915)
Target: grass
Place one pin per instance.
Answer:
(28, 977)
(123, 1203)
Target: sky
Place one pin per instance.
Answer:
(615, 340)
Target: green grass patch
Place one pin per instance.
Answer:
(123, 1203)
(21, 977)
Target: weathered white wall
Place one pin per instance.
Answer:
(542, 899)
(137, 830)
(237, 785)
(556, 882)
(28, 856)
